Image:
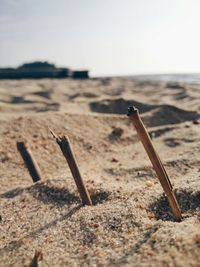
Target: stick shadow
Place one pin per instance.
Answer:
(188, 200)
(49, 194)
(53, 195)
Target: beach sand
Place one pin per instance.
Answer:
(130, 223)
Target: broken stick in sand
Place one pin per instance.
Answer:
(67, 151)
(29, 161)
(155, 160)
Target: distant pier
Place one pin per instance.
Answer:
(39, 70)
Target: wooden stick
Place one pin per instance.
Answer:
(155, 160)
(67, 151)
(29, 161)
(37, 257)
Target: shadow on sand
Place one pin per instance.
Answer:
(188, 200)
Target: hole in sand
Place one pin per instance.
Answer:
(188, 200)
(172, 142)
(160, 132)
(116, 133)
(45, 94)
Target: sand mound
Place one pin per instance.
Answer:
(118, 106)
(167, 114)
(158, 114)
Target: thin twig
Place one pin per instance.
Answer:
(29, 161)
(155, 160)
(67, 151)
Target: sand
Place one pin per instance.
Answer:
(130, 223)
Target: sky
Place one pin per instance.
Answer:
(108, 37)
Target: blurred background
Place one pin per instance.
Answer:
(108, 37)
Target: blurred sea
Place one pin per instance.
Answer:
(188, 78)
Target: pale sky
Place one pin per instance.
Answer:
(108, 37)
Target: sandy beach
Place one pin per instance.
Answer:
(130, 223)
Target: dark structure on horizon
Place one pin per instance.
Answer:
(39, 70)
(80, 74)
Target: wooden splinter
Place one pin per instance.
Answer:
(155, 160)
(67, 151)
(29, 161)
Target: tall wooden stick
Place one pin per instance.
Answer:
(155, 160)
(29, 161)
(67, 151)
